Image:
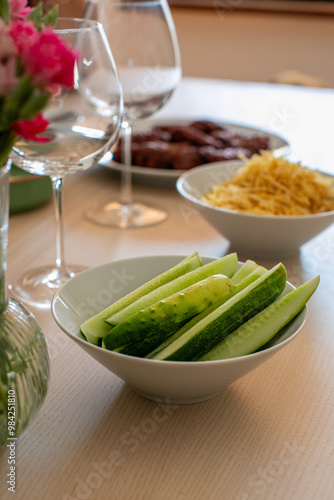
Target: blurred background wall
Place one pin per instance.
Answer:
(222, 41)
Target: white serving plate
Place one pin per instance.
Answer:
(278, 144)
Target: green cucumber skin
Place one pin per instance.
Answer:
(260, 329)
(168, 314)
(225, 265)
(95, 328)
(200, 339)
(144, 346)
(250, 278)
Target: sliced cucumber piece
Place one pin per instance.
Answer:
(260, 329)
(143, 346)
(248, 267)
(168, 314)
(203, 336)
(95, 328)
(257, 273)
(226, 265)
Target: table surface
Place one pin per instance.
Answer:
(270, 434)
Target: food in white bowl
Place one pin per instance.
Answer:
(267, 213)
(270, 185)
(96, 289)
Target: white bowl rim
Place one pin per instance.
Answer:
(212, 166)
(84, 342)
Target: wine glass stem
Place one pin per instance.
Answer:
(126, 180)
(57, 184)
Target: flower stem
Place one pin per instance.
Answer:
(4, 210)
(7, 141)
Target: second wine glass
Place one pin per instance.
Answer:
(84, 122)
(143, 39)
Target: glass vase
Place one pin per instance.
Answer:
(24, 355)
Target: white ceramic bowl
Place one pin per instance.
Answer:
(162, 381)
(251, 235)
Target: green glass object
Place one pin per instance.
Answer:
(24, 355)
(27, 191)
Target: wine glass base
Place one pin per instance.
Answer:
(125, 216)
(38, 286)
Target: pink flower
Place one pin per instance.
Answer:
(50, 61)
(7, 47)
(30, 129)
(19, 10)
(45, 56)
(24, 36)
(8, 79)
(8, 61)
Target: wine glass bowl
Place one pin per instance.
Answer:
(144, 43)
(84, 122)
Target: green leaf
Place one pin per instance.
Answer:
(15, 101)
(4, 10)
(51, 17)
(34, 105)
(20, 93)
(36, 15)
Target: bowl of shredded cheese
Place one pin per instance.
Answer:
(266, 206)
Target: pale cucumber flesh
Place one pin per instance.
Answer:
(260, 329)
(169, 314)
(225, 265)
(202, 337)
(247, 268)
(96, 328)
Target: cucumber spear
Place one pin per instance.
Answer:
(95, 328)
(260, 329)
(165, 317)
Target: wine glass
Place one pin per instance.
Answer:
(84, 123)
(144, 43)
